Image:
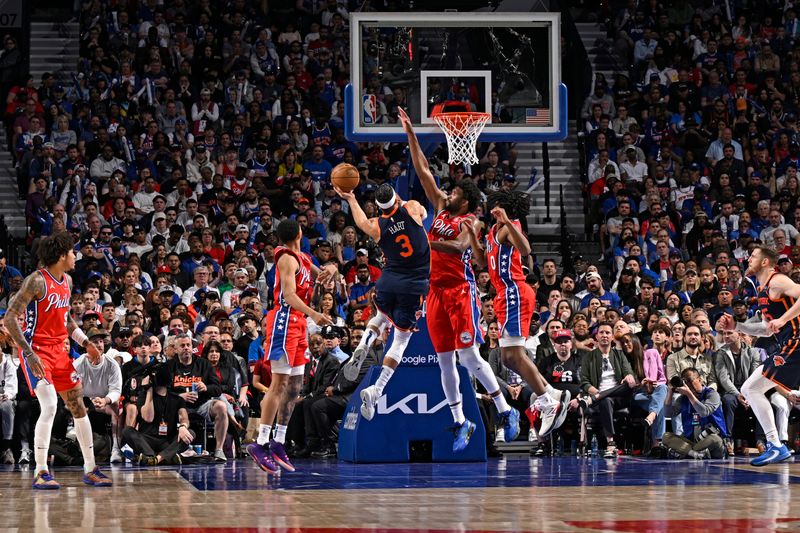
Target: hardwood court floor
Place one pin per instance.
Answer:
(511, 494)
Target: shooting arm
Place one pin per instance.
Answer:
(32, 289)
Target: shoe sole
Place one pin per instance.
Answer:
(98, 483)
(470, 431)
(289, 467)
(562, 414)
(45, 487)
(778, 459)
(352, 369)
(259, 464)
(366, 411)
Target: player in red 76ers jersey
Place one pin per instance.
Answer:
(44, 299)
(452, 310)
(285, 343)
(515, 302)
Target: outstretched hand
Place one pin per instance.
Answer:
(405, 121)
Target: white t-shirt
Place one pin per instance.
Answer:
(607, 380)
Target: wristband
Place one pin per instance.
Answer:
(79, 336)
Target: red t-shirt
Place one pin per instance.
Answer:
(263, 370)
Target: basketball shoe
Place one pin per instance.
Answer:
(369, 398)
(553, 410)
(463, 433)
(353, 366)
(510, 422)
(773, 454)
(262, 458)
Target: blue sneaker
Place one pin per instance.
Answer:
(773, 454)
(463, 434)
(510, 421)
(45, 481)
(96, 478)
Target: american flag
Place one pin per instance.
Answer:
(537, 117)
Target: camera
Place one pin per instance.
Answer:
(675, 382)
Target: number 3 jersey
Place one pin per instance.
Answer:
(406, 252)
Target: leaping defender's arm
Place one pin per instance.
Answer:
(435, 195)
(32, 288)
(509, 232)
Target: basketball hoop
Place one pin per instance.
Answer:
(462, 130)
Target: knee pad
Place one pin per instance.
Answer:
(48, 400)
(399, 343)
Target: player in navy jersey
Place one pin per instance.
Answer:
(779, 308)
(44, 299)
(401, 289)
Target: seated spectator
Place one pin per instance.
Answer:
(606, 370)
(8, 395)
(651, 390)
(161, 431)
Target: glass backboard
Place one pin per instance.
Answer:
(506, 64)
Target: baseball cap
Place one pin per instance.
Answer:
(180, 120)
(362, 251)
(724, 289)
(94, 274)
(241, 271)
(166, 289)
(784, 259)
(159, 216)
(163, 269)
(124, 331)
(242, 227)
(245, 316)
(242, 165)
(89, 314)
(738, 301)
(562, 334)
(205, 92)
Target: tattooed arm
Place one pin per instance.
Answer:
(32, 288)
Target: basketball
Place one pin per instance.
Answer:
(345, 176)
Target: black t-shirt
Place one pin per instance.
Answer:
(165, 415)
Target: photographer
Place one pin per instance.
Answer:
(700, 410)
(162, 421)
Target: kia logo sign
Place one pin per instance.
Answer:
(407, 405)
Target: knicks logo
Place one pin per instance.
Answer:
(778, 360)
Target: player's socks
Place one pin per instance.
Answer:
(458, 413)
(83, 431)
(383, 379)
(280, 433)
(263, 434)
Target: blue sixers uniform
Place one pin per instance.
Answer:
(783, 367)
(401, 289)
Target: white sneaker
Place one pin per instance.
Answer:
(369, 397)
(8, 457)
(352, 368)
(500, 435)
(117, 457)
(532, 435)
(24, 457)
(553, 408)
(219, 456)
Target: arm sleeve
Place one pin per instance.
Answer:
(114, 381)
(754, 326)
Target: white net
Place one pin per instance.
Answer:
(462, 131)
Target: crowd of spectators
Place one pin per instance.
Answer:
(189, 131)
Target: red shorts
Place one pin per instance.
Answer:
(286, 333)
(58, 369)
(513, 306)
(452, 315)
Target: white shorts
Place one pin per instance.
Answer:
(506, 340)
(282, 366)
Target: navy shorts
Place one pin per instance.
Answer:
(784, 367)
(402, 309)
